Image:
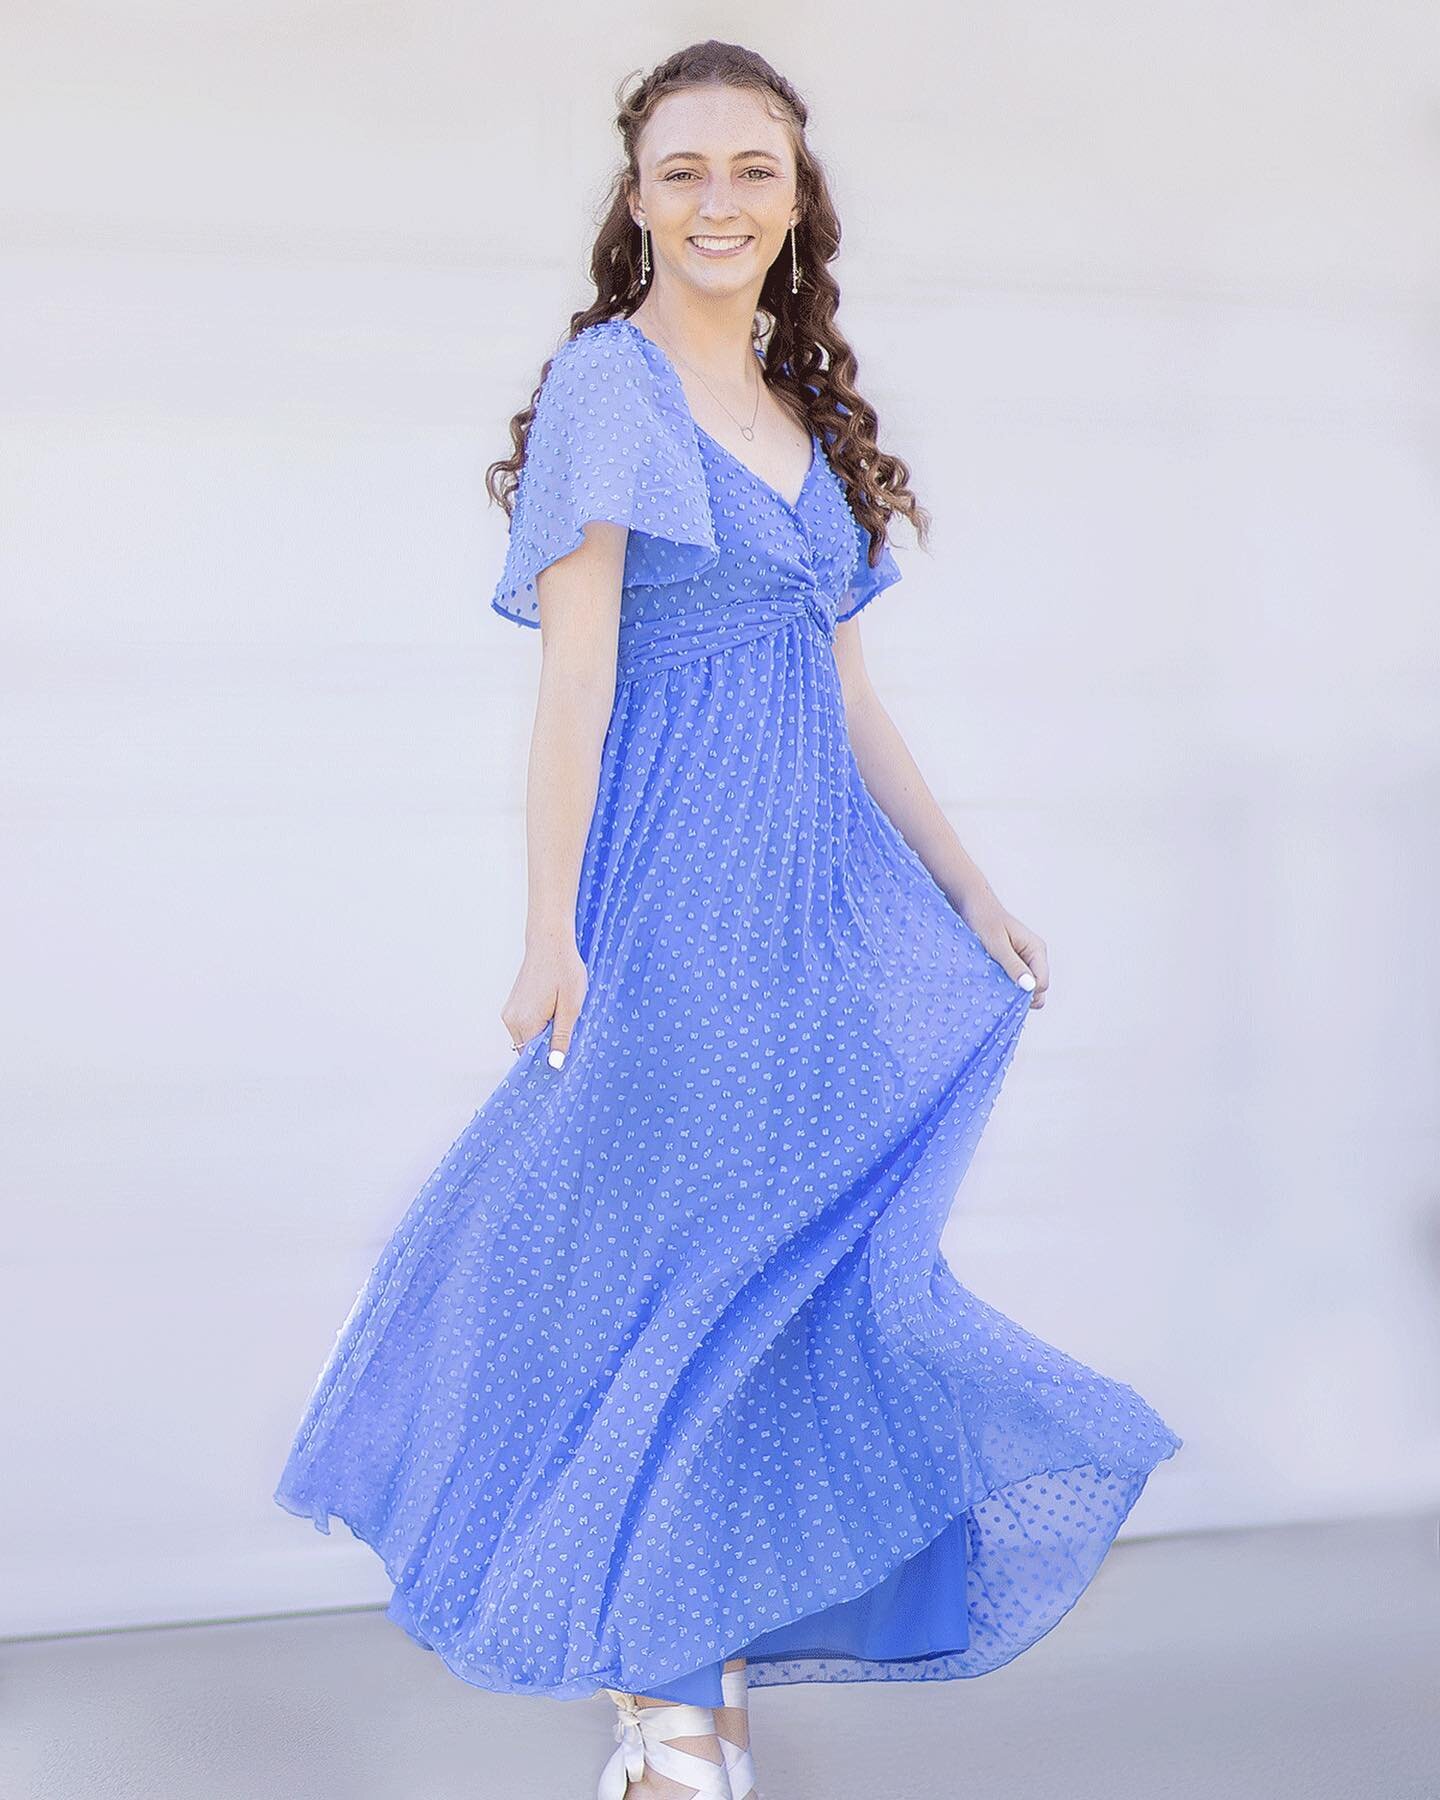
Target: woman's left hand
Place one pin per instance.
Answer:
(1018, 950)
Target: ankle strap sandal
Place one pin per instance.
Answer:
(643, 1735)
(739, 1763)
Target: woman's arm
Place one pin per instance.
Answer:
(893, 776)
(579, 600)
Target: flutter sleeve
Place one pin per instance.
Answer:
(865, 583)
(604, 444)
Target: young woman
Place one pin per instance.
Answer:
(662, 1385)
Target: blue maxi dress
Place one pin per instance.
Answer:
(664, 1364)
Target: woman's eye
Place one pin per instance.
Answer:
(676, 174)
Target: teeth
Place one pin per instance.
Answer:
(721, 243)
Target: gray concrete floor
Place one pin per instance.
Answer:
(1294, 1664)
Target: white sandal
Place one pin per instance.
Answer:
(739, 1763)
(643, 1736)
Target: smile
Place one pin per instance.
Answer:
(720, 246)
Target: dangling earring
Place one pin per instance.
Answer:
(644, 256)
(794, 266)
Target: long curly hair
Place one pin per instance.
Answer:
(802, 345)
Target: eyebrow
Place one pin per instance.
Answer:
(697, 156)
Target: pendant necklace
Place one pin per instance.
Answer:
(746, 431)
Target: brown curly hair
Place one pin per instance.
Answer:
(803, 347)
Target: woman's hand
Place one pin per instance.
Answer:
(551, 985)
(1018, 950)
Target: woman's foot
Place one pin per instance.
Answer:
(732, 1724)
(653, 1762)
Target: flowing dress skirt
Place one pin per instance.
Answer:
(664, 1365)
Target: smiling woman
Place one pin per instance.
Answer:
(732, 210)
(662, 1385)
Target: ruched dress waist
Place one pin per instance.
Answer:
(649, 643)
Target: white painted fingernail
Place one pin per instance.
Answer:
(1027, 981)
(556, 1059)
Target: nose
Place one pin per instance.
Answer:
(718, 201)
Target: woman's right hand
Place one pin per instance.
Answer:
(550, 986)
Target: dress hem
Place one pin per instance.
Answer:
(766, 1671)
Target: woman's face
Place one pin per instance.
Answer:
(717, 189)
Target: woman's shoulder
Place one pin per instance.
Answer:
(603, 354)
(603, 393)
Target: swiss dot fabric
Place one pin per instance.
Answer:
(664, 1365)
(715, 555)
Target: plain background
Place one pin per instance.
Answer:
(1147, 298)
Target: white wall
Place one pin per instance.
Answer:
(1147, 298)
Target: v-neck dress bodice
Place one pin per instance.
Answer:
(664, 1364)
(716, 555)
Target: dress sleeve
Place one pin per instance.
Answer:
(604, 444)
(865, 582)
